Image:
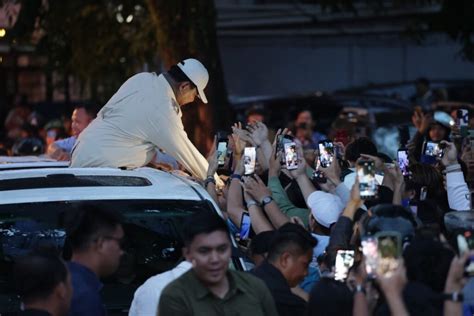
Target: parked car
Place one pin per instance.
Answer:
(153, 203)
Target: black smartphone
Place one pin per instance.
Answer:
(250, 157)
(326, 153)
(245, 225)
(344, 261)
(402, 159)
(291, 156)
(367, 181)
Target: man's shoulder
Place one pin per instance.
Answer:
(248, 281)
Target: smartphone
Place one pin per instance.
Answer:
(221, 152)
(245, 226)
(326, 153)
(423, 193)
(250, 157)
(402, 159)
(371, 255)
(291, 156)
(344, 261)
(465, 243)
(462, 120)
(433, 149)
(389, 248)
(366, 177)
(280, 145)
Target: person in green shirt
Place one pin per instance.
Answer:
(210, 288)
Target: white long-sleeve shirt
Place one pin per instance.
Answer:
(458, 191)
(147, 296)
(141, 116)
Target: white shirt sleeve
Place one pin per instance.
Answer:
(343, 193)
(176, 143)
(458, 191)
(145, 302)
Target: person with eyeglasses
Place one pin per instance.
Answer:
(144, 116)
(95, 237)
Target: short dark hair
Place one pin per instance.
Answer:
(291, 237)
(203, 222)
(86, 222)
(90, 108)
(37, 275)
(362, 145)
(179, 76)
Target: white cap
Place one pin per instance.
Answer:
(197, 73)
(325, 207)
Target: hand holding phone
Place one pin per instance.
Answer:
(389, 250)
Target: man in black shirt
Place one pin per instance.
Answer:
(44, 285)
(286, 266)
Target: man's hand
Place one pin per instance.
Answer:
(393, 283)
(259, 132)
(456, 280)
(450, 156)
(355, 192)
(332, 172)
(212, 159)
(274, 165)
(238, 143)
(256, 188)
(422, 121)
(243, 135)
(239, 168)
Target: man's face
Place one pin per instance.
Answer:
(111, 250)
(80, 120)
(254, 118)
(296, 267)
(210, 255)
(304, 117)
(437, 133)
(187, 94)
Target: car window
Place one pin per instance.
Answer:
(152, 244)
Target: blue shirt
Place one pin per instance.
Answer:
(66, 144)
(86, 299)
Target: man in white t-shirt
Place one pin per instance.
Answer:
(142, 116)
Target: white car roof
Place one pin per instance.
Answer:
(164, 186)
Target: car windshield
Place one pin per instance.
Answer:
(152, 245)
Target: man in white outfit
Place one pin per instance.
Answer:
(142, 116)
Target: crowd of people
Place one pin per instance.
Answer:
(359, 234)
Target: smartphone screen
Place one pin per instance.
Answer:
(250, 156)
(465, 243)
(221, 152)
(291, 156)
(371, 255)
(366, 177)
(389, 251)
(433, 149)
(462, 119)
(423, 193)
(344, 261)
(326, 153)
(245, 226)
(281, 141)
(402, 159)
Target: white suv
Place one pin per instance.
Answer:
(153, 203)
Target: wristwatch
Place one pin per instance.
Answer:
(455, 297)
(266, 200)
